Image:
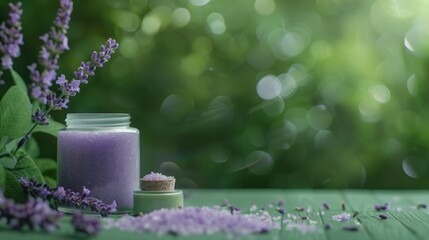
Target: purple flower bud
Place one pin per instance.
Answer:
(23, 141)
(383, 216)
(59, 193)
(40, 118)
(85, 192)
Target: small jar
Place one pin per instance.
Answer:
(101, 152)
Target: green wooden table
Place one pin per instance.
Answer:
(404, 222)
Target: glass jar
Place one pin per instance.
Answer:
(101, 152)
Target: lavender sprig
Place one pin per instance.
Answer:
(85, 224)
(55, 42)
(71, 88)
(10, 37)
(60, 196)
(35, 213)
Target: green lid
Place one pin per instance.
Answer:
(148, 201)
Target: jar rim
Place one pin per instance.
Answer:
(98, 120)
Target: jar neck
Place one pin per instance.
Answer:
(98, 120)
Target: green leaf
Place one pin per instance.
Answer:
(8, 161)
(15, 113)
(46, 164)
(10, 185)
(32, 148)
(48, 167)
(51, 182)
(18, 80)
(25, 167)
(51, 129)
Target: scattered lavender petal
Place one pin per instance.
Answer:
(343, 217)
(383, 216)
(192, 221)
(327, 226)
(281, 203)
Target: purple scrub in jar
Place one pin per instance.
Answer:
(101, 152)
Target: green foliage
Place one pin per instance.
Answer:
(26, 167)
(10, 185)
(18, 80)
(48, 167)
(15, 113)
(51, 129)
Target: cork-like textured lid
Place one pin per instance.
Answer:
(157, 182)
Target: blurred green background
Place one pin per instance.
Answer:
(257, 93)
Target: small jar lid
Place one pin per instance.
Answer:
(157, 182)
(148, 201)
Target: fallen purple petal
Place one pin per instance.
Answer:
(193, 220)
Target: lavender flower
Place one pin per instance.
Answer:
(383, 216)
(85, 224)
(40, 118)
(193, 220)
(381, 207)
(55, 42)
(35, 213)
(86, 69)
(59, 196)
(11, 37)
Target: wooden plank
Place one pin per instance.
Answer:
(376, 227)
